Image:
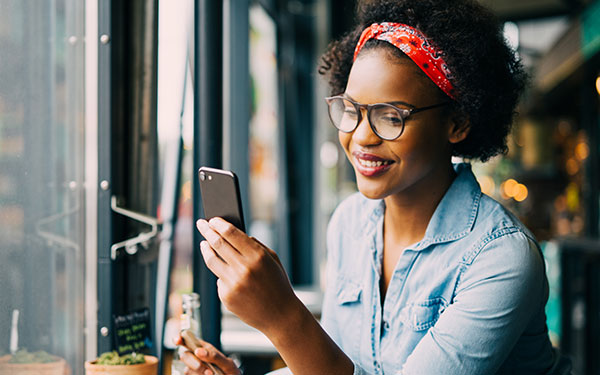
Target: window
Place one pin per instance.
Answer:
(41, 178)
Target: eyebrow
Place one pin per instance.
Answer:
(393, 103)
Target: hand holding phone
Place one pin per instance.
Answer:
(231, 255)
(192, 343)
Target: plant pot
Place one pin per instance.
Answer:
(52, 368)
(148, 368)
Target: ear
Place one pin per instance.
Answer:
(459, 127)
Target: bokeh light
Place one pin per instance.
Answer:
(521, 193)
(582, 151)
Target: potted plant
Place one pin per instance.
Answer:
(24, 362)
(111, 363)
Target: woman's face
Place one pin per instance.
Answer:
(414, 162)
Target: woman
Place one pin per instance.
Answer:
(426, 275)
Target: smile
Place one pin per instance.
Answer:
(370, 165)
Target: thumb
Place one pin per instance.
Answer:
(208, 353)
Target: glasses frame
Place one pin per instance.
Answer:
(404, 114)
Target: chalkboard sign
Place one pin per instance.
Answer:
(132, 331)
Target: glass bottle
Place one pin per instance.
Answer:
(190, 319)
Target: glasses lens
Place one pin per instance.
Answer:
(387, 120)
(343, 114)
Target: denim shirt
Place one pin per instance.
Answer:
(468, 298)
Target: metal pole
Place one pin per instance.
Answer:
(208, 139)
(236, 90)
(105, 266)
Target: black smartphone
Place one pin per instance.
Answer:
(220, 192)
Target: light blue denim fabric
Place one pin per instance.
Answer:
(467, 299)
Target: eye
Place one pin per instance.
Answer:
(389, 118)
(350, 111)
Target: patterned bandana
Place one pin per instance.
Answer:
(416, 46)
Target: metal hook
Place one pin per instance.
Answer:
(131, 245)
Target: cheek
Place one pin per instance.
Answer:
(419, 144)
(434, 133)
(344, 139)
(409, 144)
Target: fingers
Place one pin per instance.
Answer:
(210, 354)
(213, 261)
(203, 371)
(194, 366)
(238, 239)
(190, 360)
(218, 242)
(189, 371)
(178, 341)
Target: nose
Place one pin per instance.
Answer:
(363, 134)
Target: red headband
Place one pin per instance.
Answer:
(416, 46)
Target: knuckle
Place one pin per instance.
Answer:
(226, 298)
(190, 362)
(236, 289)
(261, 256)
(245, 275)
(212, 354)
(218, 242)
(212, 261)
(228, 229)
(256, 263)
(225, 294)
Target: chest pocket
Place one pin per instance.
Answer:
(349, 315)
(348, 292)
(423, 315)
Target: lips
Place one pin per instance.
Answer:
(370, 165)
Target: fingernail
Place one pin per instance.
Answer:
(195, 364)
(201, 223)
(208, 372)
(216, 222)
(201, 352)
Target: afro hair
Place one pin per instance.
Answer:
(487, 74)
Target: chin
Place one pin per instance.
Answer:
(371, 192)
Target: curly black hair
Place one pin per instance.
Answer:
(487, 74)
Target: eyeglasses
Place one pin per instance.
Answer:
(386, 120)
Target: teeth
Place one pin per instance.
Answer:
(372, 164)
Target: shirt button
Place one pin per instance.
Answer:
(386, 325)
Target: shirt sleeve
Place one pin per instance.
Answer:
(328, 308)
(499, 292)
(328, 312)
(286, 371)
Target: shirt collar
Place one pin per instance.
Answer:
(453, 218)
(455, 214)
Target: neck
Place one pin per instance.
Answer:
(410, 212)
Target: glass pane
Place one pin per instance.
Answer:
(264, 133)
(175, 136)
(41, 181)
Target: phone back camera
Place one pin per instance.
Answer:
(202, 176)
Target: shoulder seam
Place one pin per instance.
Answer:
(470, 256)
(468, 259)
